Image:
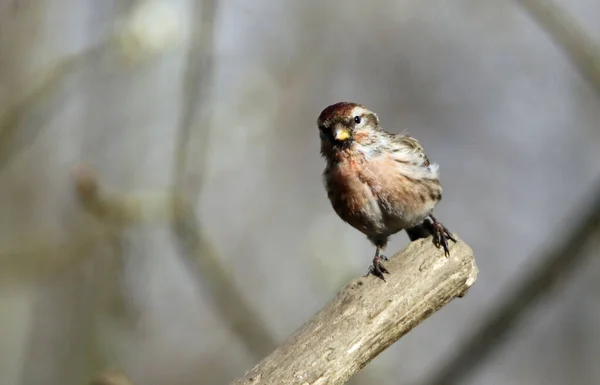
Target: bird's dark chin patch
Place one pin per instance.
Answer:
(342, 144)
(334, 149)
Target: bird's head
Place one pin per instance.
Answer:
(343, 124)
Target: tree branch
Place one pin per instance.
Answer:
(368, 316)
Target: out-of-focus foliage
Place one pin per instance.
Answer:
(488, 93)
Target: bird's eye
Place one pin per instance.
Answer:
(357, 119)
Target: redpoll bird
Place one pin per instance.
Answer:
(379, 182)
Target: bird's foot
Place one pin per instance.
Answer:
(441, 235)
(377, 268)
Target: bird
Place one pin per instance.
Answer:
(379, 182)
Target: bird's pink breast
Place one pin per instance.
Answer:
(375, 196)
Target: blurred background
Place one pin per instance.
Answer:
(161, 205)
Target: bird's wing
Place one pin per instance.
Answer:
(410, 145)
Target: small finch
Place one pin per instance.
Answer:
(379, 182)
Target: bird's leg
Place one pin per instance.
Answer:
(440, 234)
(377, 268)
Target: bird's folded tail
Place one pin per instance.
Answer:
(420, 231)
(431, 226)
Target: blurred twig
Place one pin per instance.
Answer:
(581, 48)
(119, 209)
(123, 210)
(553, 267)
(561, 260)
(43, 87)
(228, 301)
(197, 80)
(111, 377)
(45, 83)
(368, 316)
(41, 257)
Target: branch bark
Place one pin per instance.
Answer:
(368, 316)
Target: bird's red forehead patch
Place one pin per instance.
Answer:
(337, 110)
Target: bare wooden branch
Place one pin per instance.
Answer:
(369, 315)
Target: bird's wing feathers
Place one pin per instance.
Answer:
(412, 145)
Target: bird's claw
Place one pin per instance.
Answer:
(441, 235)
(377, 268)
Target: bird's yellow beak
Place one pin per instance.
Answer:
(341, 133)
